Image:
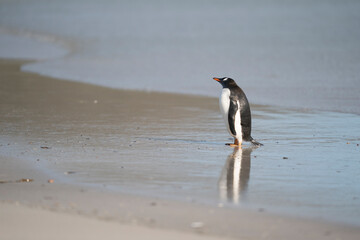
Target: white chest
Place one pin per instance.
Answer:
(224, 102)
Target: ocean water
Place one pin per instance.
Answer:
(303, 54)
(296, 57)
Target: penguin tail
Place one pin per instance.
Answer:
(256, 143)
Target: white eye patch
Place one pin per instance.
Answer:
(225, 79)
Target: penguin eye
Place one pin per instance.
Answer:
(225, 79)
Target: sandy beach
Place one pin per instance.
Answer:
(110, 125)
(45, 120)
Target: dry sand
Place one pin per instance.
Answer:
(64, 210)
(18, 222)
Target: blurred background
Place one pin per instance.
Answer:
(303, 54)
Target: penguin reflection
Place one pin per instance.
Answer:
(235, 175)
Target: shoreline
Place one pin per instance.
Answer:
(52, 53)
(81, 203)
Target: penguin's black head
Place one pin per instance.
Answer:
(225, 82)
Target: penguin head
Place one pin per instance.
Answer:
(225, 82)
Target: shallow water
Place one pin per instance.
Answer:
(305, 168)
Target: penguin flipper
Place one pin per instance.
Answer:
(233, 108)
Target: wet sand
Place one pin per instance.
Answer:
(71, 133)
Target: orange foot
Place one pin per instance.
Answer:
(235, 144)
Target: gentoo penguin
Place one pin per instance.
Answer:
(235, 109)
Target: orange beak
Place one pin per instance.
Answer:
(216, 79)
